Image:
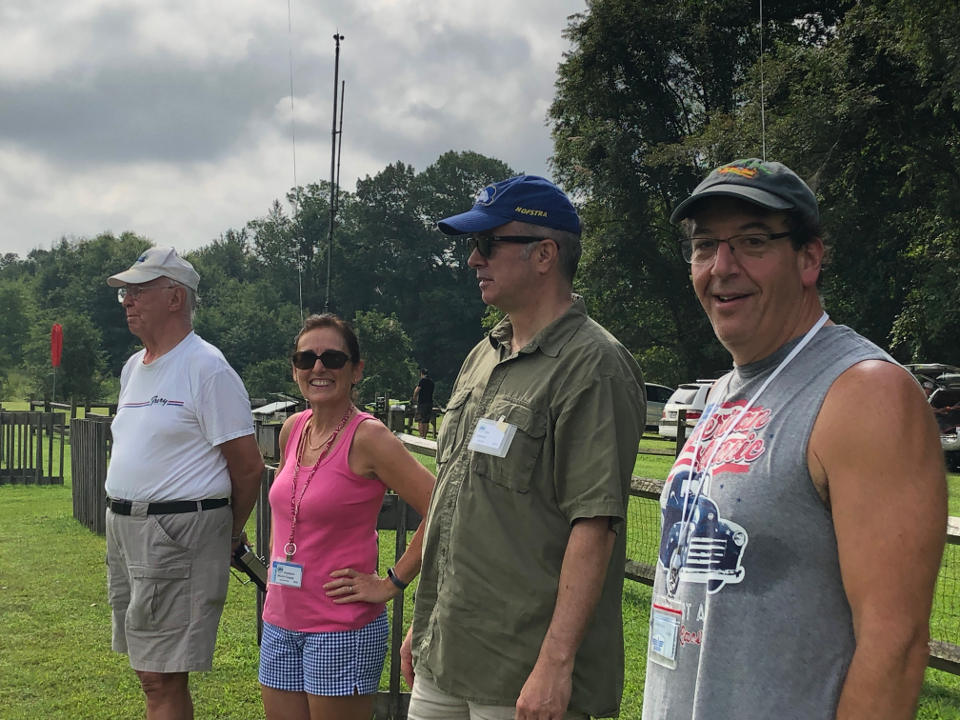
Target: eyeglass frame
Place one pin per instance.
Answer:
(686, 245)
(483, 242)
(135, 291)
(300, 357)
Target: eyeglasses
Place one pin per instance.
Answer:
(135, 291)
(483, 244)
(703, 250)
(331, 359)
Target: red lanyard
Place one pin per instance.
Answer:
(290, 548)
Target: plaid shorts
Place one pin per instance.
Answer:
(346, 662)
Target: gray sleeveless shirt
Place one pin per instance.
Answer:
(766, 629)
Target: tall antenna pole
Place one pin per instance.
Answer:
(337, 37)
(343, 93)
(295, 224)
(763, 116)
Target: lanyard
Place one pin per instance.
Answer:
(688, 505)
(290, 548)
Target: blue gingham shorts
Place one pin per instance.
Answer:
(346, 662)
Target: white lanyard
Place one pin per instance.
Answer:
(718, 443)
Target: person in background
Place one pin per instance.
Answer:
(804, 520)
(518, 611)
(183, 478)
(423, 399)
(324, 621)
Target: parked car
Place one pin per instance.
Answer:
(942, 385)
(692, 397)
(657, 396)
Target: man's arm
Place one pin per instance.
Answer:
(546, 693)
(245, 467)
(876, 448)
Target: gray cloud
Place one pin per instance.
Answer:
(172, 119)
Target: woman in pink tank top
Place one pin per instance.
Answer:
(325, 625)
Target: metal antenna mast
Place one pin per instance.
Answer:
(337, 37)
(343, 91)
(763, 116)
(295, 224)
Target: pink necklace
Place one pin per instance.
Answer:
(291, 547)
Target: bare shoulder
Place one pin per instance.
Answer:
(874, 392)
(874, 415)
(372, 432)
(286, 430)
(370, 441)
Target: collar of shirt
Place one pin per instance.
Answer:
(551, 339)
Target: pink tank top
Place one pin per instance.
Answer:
(336, 528)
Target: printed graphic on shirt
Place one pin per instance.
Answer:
(698, 544)
(156, 400)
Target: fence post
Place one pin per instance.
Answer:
(681, 431)
(263, 536)
(397, 625)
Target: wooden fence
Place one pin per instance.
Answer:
(944, 650)
(72, 407)
(90, 452)
(90, 443)
(89, 471)
(28, 451)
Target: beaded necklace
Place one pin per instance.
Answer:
(290, 548)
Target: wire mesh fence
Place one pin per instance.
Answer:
(643, 538)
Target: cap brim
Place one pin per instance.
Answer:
(750, 194)
(471, 221)
(133, 276)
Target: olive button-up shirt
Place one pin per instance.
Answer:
(497, 528)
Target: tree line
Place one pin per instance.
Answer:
(406, 287)
(860, 98)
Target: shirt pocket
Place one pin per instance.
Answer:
(451, 433)
(515, 471)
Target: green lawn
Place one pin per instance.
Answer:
(55, 657)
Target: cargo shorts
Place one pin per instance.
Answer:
(167, 582)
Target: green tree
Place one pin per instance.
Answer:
(386, 351)
(447, 320)
(73, 276)
(82, 368)
(270, 377)
(640, 79)
(871, 119)
(13, 323)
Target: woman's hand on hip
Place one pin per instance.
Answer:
(349, 586)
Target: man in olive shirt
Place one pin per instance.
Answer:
(518, 608)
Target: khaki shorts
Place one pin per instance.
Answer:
(166, 582)
(428, 702)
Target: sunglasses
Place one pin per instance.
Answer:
(483, 244)
(331, 359)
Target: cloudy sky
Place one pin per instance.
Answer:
(172, 118)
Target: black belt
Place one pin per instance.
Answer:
(123, 507)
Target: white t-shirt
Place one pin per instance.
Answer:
(171, 416)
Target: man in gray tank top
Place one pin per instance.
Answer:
(804, 521)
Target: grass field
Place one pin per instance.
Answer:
(55, 657)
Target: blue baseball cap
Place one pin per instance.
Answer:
(524, 198)
(771, 185)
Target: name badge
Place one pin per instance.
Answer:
(492, 437)
(666, 617)
(286, 573)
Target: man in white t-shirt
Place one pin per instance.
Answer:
(183, 478)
